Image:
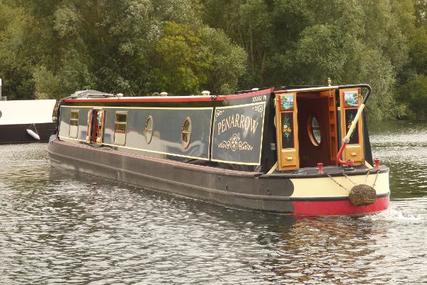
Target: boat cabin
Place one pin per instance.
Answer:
(271, 130)
(311, 124)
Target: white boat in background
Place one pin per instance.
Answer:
(26, 121)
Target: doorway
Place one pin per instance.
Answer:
(317, 125)
(96, 124)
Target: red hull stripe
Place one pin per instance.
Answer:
(338, 208)
(172, 99)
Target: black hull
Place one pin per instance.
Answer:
(17, 134)
(219, 186)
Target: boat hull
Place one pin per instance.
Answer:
(237, 189)
(18, 134)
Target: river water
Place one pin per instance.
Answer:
(57, 228)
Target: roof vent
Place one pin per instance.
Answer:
(163, 93)
(255, 89)
(206, 92)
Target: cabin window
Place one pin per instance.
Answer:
(313, 130)
(74, 123)
(186, 133)
(120, 128)
(148, 129)
(351, 101)
(350, 114)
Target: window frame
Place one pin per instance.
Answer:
(122, 130)
(74, 123)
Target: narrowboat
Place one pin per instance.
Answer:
(26, 121)
(303, 151)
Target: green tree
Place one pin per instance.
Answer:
(15, 69)
(188, 59)
(414, 93)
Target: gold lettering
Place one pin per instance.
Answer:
(242, 122)
(247, 123)
(227, 121)
(254, 126)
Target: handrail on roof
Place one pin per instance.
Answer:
(91, 94)
(322, 88)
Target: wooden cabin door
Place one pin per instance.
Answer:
(96, 124)
(350, 100)
(287, 131)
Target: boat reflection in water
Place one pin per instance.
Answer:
(303, 151)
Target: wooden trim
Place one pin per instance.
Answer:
(333, 126)
(101, 129)
(354, 152)
(287, 158)
(89, 126)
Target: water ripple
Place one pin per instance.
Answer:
(58, 228)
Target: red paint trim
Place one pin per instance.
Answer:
(172, 99)
(338, 208)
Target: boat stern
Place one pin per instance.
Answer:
(347, 193)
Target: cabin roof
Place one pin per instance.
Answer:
(195, 98)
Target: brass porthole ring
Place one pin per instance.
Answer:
(186, 133)
(148, 129)
(313, 130)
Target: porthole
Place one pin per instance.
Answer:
(148, 129)
(313, 130)
(186, 133)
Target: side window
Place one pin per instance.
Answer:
(120, 128)
(74, 124)
(350, 100)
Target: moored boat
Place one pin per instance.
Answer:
(26, 121)
(296, 150)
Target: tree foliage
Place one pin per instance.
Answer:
(50, 48)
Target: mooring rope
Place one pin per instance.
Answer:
(35, 128)
(376, 177)
(346, 176)
(351, 180)
(367, 176)
(336, 182)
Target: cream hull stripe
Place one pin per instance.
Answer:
(324, 187)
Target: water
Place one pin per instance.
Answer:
(57, 228)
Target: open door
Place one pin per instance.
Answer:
(96, 124)
(350, 100)
(287, 131)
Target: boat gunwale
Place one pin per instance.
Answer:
(187, 165)
(209, 190)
